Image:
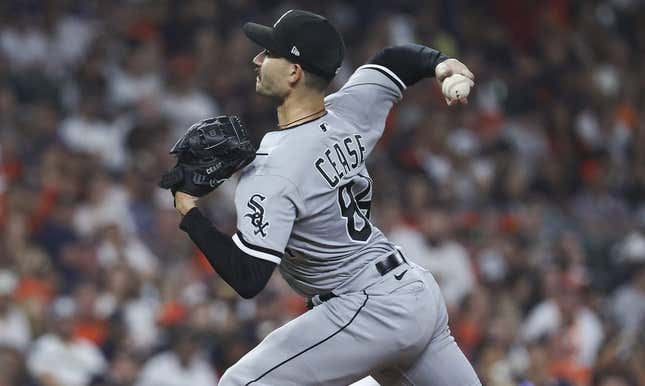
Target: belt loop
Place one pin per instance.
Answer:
(319, 299)
(400, 250)
(313, 301)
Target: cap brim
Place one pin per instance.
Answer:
(261, 35)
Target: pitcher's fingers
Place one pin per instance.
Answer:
(467, 73)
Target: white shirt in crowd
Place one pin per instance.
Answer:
(164, 369)
(140, 317)
(95, 136)
(24, 47)
(128, 89)
(627, 306)
(136, 254)
(448, 262)
(113, 208)
(69, 363)
(545, 319)
(182, 110)
(14, 329)
(62, 47)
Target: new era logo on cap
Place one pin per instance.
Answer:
(294, 51)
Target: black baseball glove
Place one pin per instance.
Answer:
(207, 154)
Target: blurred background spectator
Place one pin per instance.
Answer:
(59, 357)
(180, 365)
(528, 204)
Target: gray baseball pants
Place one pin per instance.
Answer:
(395, 330)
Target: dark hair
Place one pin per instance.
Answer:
(315, 81)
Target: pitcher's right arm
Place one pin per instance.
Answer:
(374, 87)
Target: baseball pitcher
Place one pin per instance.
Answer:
(303, 205)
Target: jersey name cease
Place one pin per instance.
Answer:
(339, 160)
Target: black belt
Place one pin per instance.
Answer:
(384, 266)
(389, 263)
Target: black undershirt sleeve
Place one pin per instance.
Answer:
(410, 62)
(247, 275)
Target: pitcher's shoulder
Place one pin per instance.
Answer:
(286, 154)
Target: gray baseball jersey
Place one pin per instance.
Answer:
(304, 202)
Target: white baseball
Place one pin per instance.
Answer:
(456, 86)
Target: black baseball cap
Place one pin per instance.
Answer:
(304, 38)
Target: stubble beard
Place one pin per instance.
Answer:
(262, 89)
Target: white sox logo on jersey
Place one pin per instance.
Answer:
(257, 214)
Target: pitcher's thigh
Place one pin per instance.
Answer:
(441, 364)
(445, 367)
(317, 348)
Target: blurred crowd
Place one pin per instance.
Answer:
(528, 204)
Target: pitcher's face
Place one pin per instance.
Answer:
(272, 74)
